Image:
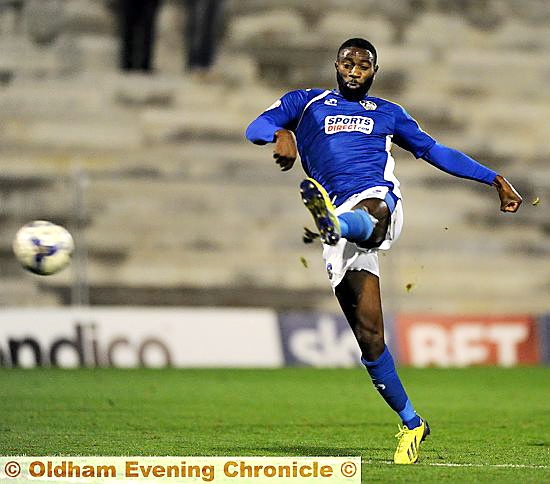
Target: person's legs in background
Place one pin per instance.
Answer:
(204, 23)
(137, 20)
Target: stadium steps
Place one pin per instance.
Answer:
(222, 261)
(124, 113)
(158, 246)
(518, 34)
(162, 154)
(468, 282)
(25, 291)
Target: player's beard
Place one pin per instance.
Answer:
(353, 94)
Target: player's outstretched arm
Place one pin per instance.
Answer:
(409, 136)
(457, 163)
(285, 151)
(510, 199)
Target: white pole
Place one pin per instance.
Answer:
(80, 291)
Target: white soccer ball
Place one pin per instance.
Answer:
(43, 247)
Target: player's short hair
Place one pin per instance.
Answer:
(362, 44)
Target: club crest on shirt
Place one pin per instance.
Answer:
(368, 105)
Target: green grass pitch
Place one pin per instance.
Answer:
(488, 424)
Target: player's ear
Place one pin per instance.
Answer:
(336, 64)
(376, 68)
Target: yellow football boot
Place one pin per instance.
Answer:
(318, 203)
(409, 443)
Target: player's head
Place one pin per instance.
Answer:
(355, 68)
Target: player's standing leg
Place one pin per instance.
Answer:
(359, 298)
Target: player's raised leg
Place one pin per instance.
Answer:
(320, 206)
(356, 225)
(359, 297)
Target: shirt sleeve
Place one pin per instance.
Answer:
(282, 114)
(458, 164)
(412, 138)
(409, 136)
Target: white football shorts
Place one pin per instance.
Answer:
(347, 256)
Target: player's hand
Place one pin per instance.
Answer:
(285, 151)
(510, 199)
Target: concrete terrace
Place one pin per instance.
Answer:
(170, 205)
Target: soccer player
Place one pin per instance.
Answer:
(344, 138)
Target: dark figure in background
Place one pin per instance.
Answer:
(137, 20)
(202, 31)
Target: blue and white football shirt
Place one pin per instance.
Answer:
(345, 145)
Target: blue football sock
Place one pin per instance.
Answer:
(413, 422)
(384, 377)
(356, 226)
